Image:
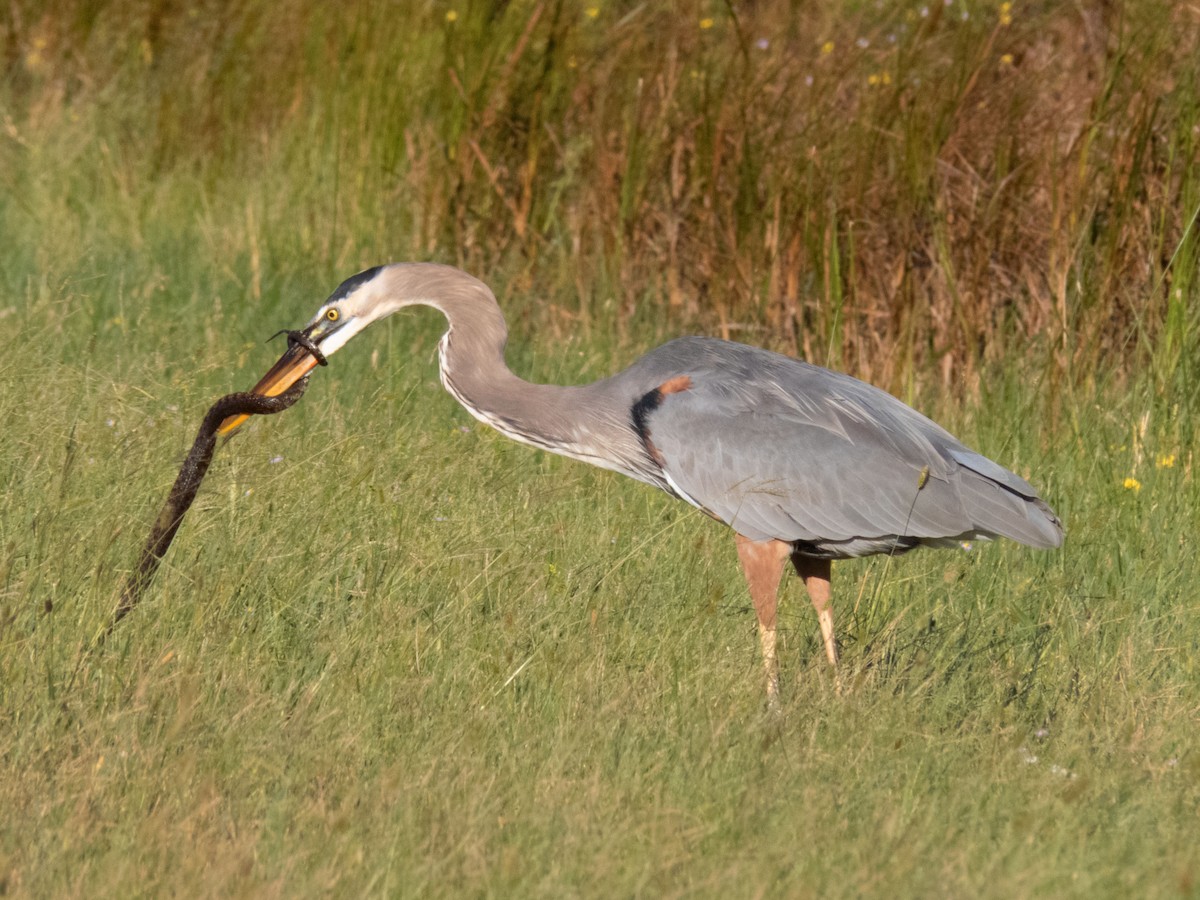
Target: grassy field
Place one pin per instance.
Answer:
(393, 654)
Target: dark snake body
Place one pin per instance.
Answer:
(191, 473)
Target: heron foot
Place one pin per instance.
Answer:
(774, 706)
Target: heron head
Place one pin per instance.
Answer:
(357, 302)
(367, 297)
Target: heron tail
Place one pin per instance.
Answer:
(1000, 507)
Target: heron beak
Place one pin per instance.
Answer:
(295, 363)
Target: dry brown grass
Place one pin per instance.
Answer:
(902, 191)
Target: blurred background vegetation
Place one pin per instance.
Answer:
(906, 190)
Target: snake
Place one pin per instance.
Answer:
(191, 474)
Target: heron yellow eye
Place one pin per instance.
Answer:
(332, 315)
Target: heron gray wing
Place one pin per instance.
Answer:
(993, 471)
(781, 449)
(770, 474)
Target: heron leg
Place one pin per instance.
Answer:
(762, 563)
(816, 574)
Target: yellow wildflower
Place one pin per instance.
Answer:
(1006, 13)
(592, 12)
(1132, 484)
(827, 48)
(1006, 59)
(35, 59)
(706, 24)
(452, 16)
(1165, 461)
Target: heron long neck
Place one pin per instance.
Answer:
(473, 369)
(580, 421)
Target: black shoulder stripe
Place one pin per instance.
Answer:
(650, 401)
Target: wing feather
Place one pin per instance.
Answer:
(781, 449)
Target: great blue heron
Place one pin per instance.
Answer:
(801, 462)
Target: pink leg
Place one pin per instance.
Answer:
(762, 562)
(817, 574)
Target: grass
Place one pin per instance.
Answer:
(392, 653)
(414, 658)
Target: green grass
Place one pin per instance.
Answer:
(393, 654)
(414, 658)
